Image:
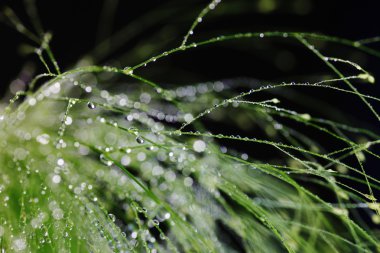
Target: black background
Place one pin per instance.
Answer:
(75, 25)
(75, 28)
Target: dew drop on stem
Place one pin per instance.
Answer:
(139, 140)
(91, 105)
(128, 70)
(112, 217)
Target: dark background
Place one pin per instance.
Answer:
(75, 26)
(156, 25)
(78, 26)
(153, 26)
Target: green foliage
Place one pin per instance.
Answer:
(89, 165)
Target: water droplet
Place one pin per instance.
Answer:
(199, 146)
(128, 70)
(139, 140)
(60, 162)
(43, 139)
(19, 244)
(369, 78)
(112, 217)
(68, 120)
(188, 181)
(58, 214)
(91, 105)
(105, 161)
(88, 89)
(375, 218)
(56, 179)
(305, 116)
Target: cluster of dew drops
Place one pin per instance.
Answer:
(153, 117)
